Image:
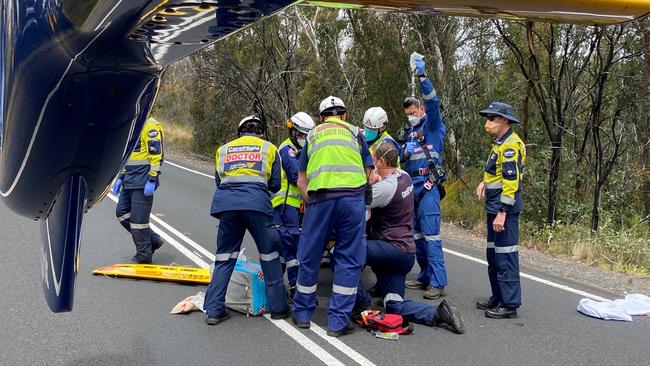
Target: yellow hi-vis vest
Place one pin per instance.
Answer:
(247, 159)
(385, 137)
(147, 156)
(334, 156)
(288, 194)
(504, 168)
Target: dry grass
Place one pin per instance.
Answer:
(177, 135)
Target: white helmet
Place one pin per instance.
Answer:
(329, 103)
(375, 118)
(302, 122)
(251, 118)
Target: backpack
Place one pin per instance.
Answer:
(246, 291)
(376, 320)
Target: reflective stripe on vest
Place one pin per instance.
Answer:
(418, 153)
(288, 192)
(247, 159)
(334, 157)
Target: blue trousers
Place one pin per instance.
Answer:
(428, 243)
(132, 211)
(391, 266)
(503, 261)
(345, 215)
(232, 227)
(287, 219)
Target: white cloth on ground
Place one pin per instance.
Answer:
(621, 309)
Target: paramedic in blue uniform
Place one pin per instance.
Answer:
(333, 175)
(391, 248)
(287, 201)
(426, 136)
(501, 189)
(247, 169)
(135, 186)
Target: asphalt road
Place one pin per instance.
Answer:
(127, 322)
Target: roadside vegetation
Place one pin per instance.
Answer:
(581, 92)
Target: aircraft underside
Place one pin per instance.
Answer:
(79, 78)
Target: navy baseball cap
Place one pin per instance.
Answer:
(500, 109)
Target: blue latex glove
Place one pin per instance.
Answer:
(149, 188)
(410, 147)
(419, 68)
(417, 64)
(117, 186)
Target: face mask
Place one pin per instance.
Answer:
(491, 127)
(414, 120)
(301, 142)
(370, 135)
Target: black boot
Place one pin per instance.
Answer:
(501, 313)
(155, 246)
(489, 303)
(449, 317)
(214, 320)
(340, 333)
(142, 254)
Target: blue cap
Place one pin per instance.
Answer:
(501, 109)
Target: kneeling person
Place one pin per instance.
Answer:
(391, 247)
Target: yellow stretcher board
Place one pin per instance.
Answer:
(187, 275)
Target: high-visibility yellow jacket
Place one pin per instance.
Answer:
(289, 193)
(503, 174)
(334, 156)
(385, 137)
(247, 159)
(147, 157)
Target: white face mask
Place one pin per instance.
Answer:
(414, 120)
(301, 142)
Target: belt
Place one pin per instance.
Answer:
(419, 172)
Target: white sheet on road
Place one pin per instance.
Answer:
(621, 309)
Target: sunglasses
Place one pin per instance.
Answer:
(492, 117)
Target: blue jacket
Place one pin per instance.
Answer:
(433, 129)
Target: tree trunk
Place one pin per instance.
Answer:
(526, 113)
(644, 131)
(598, 179)
(553, 175)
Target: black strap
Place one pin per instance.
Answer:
(434, 176)
(433, 172)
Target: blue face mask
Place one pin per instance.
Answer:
(370, 134)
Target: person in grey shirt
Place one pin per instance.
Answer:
(391, 247)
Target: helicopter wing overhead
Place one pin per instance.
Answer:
(564, 11)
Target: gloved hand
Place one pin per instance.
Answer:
(410, 147)
(117, 186)
(417, 64)
(149, 188)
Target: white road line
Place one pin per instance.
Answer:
(356, 356)
(458, 254)
(188, 169)
(173, 242)
(183, 237)
(180, 235)
(307, 343)
(531, 277)
(292, 332)
(181, 248)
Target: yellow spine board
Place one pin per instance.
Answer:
(188, 275)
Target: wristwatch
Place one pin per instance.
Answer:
(502, 210)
